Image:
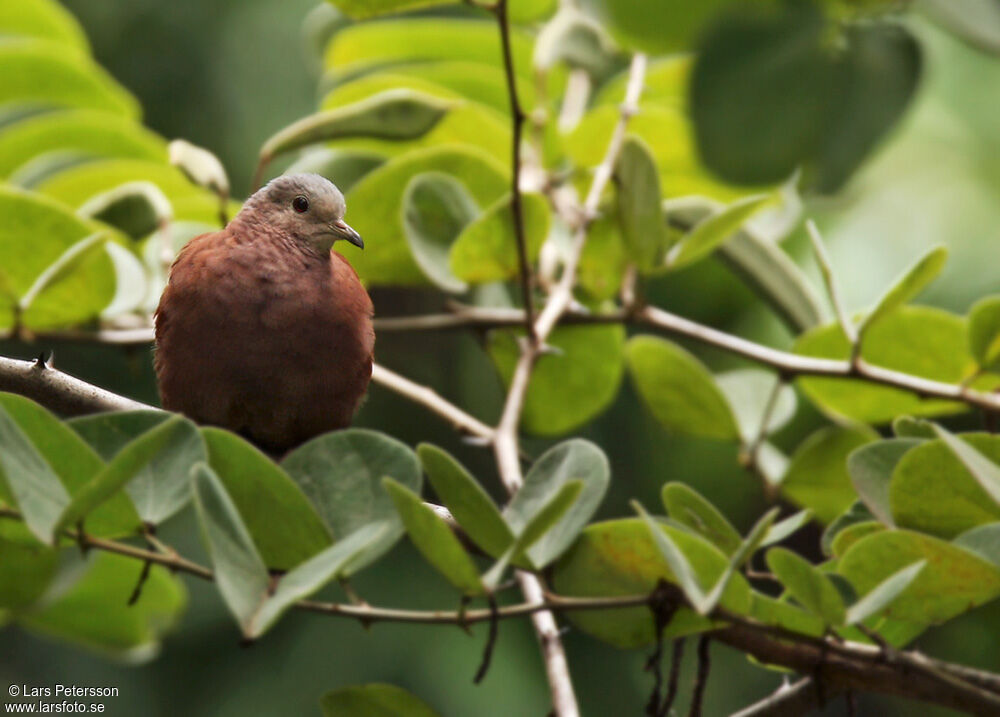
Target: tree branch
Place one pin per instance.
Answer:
(58, 391)
(841, 665)
(432, 401)
(505, 443)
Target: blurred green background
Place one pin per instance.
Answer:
(225, 74)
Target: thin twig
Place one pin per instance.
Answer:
(491, 640)
(673, 684)
(431, 400)
(517, 210)
(140, 583)
(792, 700)
(701, 678)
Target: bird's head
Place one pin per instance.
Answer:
(306, 206)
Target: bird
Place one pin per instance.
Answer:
(262, 328)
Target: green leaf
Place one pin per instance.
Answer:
(619, 557)
(976, 22)
(760, 534)
(658, 27)
(857, 513)
(953, 581)
(918, 340)
(72, 460)
(810, 587)
(167, 437)
(781, 613)
(678, 563)
(983, 540)
(882, 595)
(43, 73)
(27, 568)
(571, 460)
(933, 491)
(36, 236)
(373, 700)
(343, 168)
(542, 522)
(984, 333)
(712, 231)
(576, 39)
(364, 9)
(817, 477)
(375, 203)
(108, 433)
(367, 46)
(760, 89)
(136, 208)
(666, 130)
(748, 392)
(703, 603)
(42, 19)
(434, 539)
(603, 262)
(571, 385)
(64, 268)
(871, 468)
(910, 283)
(95, 613)
(782, 529)
(395, 115)
(200, 166)
(160, 487)
(467, 122)
(240, 574)
(765, 267)
(316, 572)
(78, 183)
(436, 208)
(466, 499)
(486, 249)
(529, 10)
(36, 489)
(688, 507)
(851, 534)
(638, 191)
(985, 471)
(679, 390)
(877, 77)
(341, 474)
(910, 427)
(86, 131)
(282, 523)
(769, 94)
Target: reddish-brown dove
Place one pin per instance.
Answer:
(264, 330)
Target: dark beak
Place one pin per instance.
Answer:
(344, 231)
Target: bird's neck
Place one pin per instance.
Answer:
(251, 229)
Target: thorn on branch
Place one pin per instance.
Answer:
(43, 361)
(491, 640)
(147, 565)
(698, 694)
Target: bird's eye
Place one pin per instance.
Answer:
(300, 204)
